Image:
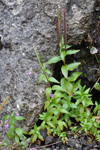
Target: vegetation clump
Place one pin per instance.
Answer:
(67, 98)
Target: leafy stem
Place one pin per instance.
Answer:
(41, 65)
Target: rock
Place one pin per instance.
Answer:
(21, 24)
(91, 145)
(84, 142)
(71, 144)
(78, 146)
(49, 139)
(44, 133)
(98, 146)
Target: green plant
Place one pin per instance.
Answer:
(67, 98)
(90, 124)
(16, 137)
(35, 134)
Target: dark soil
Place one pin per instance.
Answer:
(75, 142)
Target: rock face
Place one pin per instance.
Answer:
(23, 23)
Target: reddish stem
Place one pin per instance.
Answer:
(65, 29)
(60, 23)
(57, 31)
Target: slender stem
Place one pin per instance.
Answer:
(59, 23)
(65, 27)
(93, 69)
(97, 59)
(47, 145)
(37, 56)
(12, 147)
(57, 32)
(41, 65)
(65, 30)
(95, 84)
(36, 69)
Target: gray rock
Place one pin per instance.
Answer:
(78, 146)
(21, 24)
(49, 139)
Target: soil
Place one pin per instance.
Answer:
(75, 142)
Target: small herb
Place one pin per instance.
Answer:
(14, 133)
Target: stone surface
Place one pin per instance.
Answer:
(21, 24)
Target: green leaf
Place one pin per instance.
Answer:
(60, 123)
(19, 131)
(73, 105)
(87, 102)
(48, 130)
(81, 109)
(13, 114)
(57, 100)
(11, 131)
(6, 117)
(52, 79)
(41, 77)
(67, 86)
(76, 85)
(40, 57)
(65, 124)
(65, 105)
(29, 140)
(54, 59)
(61, 43)
(70, 52)
(40, 137)
(50, 124)
(44, 66)
(78, 101)
(19, 118)
(34, 138)
(16, 139)
(25, 132)
(58, 88)
(12, 128)
(47, 103)
(64, 111)
(42, 116)
(48, 92)
(64, 70)
(12, 120)
(63, 83)
(25, 145)
(72, 66)
(62, 55)
(32, 132)
(67, 46)
(48, 71)
(97, 86)
(74, 76)
(59, 95)
(42, 124)
(35, 127)
(56, 112)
